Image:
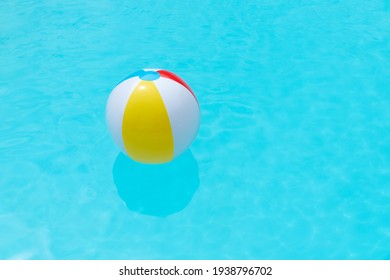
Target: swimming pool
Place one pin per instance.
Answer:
(292, 159)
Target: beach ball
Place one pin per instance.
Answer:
(153, 116)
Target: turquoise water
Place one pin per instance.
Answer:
(292, 159)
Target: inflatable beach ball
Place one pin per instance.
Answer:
(153, 116)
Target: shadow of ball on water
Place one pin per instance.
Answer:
(156, 190)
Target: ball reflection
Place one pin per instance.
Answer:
(156, 190)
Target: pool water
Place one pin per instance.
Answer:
(292, 159)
